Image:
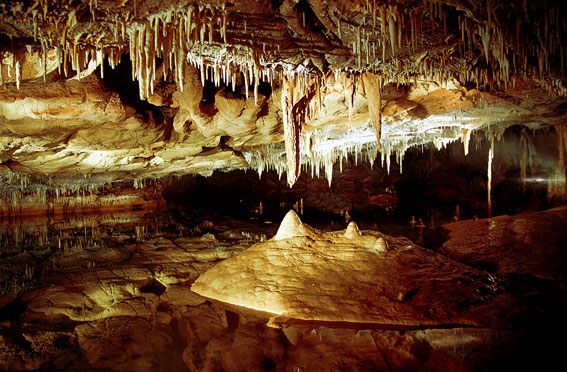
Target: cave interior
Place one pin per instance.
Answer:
(283, 185)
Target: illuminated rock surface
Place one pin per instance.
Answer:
(363, 103)
(107, 301)
(141, 89)
(529, 243)
(119, 298)
(304, 274)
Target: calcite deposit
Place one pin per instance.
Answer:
(125, 123)
(305, 274)
(528, 243)
(138, 89)
(117, 295)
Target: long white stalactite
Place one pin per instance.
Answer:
(489, 174)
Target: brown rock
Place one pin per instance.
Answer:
(383, 200)
(319, 276)
(529, 243)
(87, 99)
(123, 345)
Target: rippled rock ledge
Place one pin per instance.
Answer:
(302, 301)
(306, 274)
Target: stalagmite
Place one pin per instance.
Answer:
(352, 231)
(291, 227)
(380, 245)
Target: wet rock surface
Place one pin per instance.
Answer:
(526, 244)
(305, 274)
(121, 302)
(127, 304)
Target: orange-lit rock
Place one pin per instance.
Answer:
(304, 274)
(85, 100)
(528, 243)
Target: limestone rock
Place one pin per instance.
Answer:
(304, 274)
(243, 350)
(63, 78)
(381, 245)
(123, 346)
(32, 65)
(229, 106)
(292, 226)
(68, 100)
(528, 243)
(352, 231)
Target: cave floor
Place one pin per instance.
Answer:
(112, 292)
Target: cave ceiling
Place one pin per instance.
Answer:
(128, 89)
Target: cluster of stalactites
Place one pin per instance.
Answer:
(382, 32)
(170, 36)
(387, 32)
(300, 101)
(176, 36)
(320, 153)
(13, 67)
(314, 162)
(79, 51)
(177, 33)
(503, 39)
(228, 67)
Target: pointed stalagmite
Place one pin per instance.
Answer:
(380, 245)
(291, 226)
(352, 231)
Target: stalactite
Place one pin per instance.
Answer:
(291, 131)
(358, 51)
(392, 24)
(466, 138)
(373, 86)
(18, 77)
(349, 85)
(557, 182)
(489, 174)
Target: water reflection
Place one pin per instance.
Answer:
(32, 246)
(60, 231)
